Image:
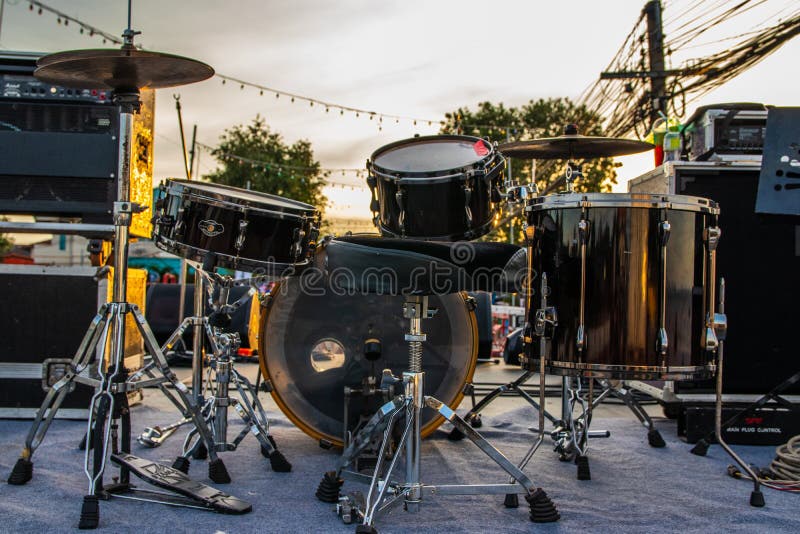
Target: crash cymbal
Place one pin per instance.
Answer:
(572, 145)
(119, 69)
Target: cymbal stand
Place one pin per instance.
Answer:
(106, 337)
(384, 490)
(221, 374)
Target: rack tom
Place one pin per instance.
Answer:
(441, 187)
(629, 285)
(244, 230)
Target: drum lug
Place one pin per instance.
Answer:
(400, 199)
(545, 322)
(580, 338)
(242, 235)
(297, 247)
(467, 201)
(662, 342)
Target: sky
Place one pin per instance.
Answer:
(413, 58)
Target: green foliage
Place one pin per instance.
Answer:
(537, 118)
(289, 170)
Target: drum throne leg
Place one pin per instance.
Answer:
(384, 488)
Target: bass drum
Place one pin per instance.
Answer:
(312, 347)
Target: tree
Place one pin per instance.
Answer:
(537, 118)
(254, 156)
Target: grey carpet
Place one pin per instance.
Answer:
(634, 488)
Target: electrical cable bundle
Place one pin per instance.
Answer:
(783, 473)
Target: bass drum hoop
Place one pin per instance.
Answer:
(336, 441)
(429, 177)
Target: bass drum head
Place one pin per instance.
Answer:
(312, 346)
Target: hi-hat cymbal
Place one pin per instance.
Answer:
(119, 69)
(573, 146)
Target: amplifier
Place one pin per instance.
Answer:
(59, 148)
(45, 312)
(769, 425)
(721, 132)
(759, 257)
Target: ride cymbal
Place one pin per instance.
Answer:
(120, 69)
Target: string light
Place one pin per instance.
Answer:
(294, 170)
(107, 37)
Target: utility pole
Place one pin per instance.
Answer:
(655, 52)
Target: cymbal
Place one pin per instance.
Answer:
(573, 146)
(119, 69)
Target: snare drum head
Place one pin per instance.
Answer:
(312, 346)
(431, 154)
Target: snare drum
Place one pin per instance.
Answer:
(629, 285)
(245, 230)
(441, 187)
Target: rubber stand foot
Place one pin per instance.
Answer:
(279, 462)
(455, 435)
(264, 451)
(182, 464)
(542, 508)
(701, 448)
(476, 421)
(217, 472)
(757, 499)
(511, 500)
(328, 489)
(90, 513)
(82, 444)
(583, 468)
(366, 529)
(21, 473)
(655, 440)
(200, 452)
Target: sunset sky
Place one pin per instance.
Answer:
(413, 58)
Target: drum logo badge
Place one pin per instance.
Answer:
(211, 228)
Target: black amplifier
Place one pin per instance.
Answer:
(58, 146)
(769, 425)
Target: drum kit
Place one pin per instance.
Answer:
(615, 286)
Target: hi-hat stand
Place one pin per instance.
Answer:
(384, 489)
(221, 375)
(108, 426)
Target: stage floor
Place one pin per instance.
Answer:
(634, 488)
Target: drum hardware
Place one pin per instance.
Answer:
(382, 491)
(221, 374)
(719, 325)
(123, 72)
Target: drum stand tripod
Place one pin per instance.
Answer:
(384, 491)
(224, 346)
(109, 405)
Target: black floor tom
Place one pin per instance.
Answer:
(245, 230)
(441, 187)
(629, 285)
